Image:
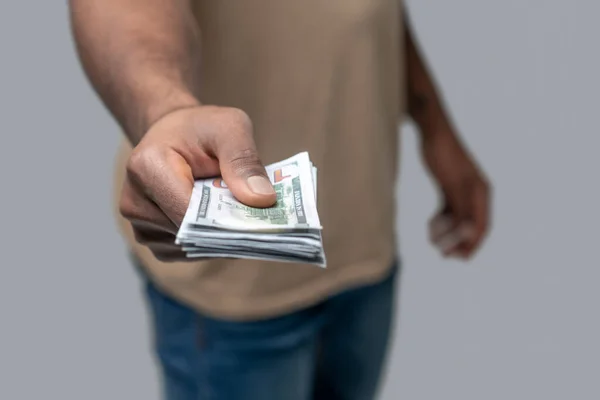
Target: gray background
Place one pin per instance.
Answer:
(520, 322)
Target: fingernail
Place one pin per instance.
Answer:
(260, 185)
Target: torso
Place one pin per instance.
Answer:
(321, 76)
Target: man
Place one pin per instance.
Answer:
(201, 88)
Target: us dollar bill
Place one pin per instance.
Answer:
(216, 224)
(212, 204)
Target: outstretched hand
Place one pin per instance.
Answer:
(181, 147)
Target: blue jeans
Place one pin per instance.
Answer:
(332, 351)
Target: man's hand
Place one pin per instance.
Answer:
(461, 225)
(142, 57)
(186, 144)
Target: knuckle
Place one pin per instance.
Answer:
(128, 204)
(141, 161)
(126, 207)
(240, 119)
(246, 160)
(245, 156)
(136, 164)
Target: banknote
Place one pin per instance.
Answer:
(217, 225)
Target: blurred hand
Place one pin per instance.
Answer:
(459, 228)
(186, 144)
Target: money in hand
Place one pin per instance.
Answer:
(216, 225)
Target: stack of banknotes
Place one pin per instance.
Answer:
(216, 225)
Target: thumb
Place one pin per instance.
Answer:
(242, 170)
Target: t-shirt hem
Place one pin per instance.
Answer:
(309, 294)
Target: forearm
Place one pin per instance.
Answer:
(425, 105)
(141, 56)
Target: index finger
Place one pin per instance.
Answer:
(166, 178)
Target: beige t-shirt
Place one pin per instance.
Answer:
(314, 75)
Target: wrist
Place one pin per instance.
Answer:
(168, 104)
